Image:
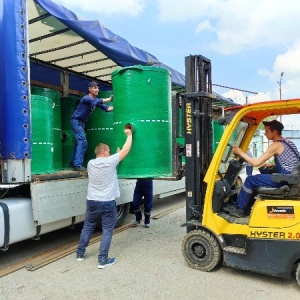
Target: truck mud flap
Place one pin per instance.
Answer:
(6, 225)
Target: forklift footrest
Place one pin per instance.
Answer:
(193, 223)
(237, 250)
(231, 219)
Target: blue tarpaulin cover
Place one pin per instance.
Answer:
(112, 45)
(54, 40)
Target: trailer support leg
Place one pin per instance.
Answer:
(6, 226)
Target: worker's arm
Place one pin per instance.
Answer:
(275, 148)
(110, 99)
(127, 145)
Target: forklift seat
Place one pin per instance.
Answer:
(290, 189)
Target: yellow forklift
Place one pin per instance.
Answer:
(267, 239)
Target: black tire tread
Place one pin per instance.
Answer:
(208, 238)
(297, 273)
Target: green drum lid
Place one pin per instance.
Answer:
(46, 92)
(56, 99)
(138, 68)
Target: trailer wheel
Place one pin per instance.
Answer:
(201, 250)
(122, 212)
(298, 274)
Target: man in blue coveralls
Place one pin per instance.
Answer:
(143, 190)
(79, 118)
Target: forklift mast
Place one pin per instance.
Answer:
(197, 124)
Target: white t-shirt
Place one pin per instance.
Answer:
(103, 179)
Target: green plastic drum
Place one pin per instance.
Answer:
(217, 134)
(142, 97)
(57, 143)
(180, 133)
(99, 129)
(68, 106)
(68, 146)
(42, 134)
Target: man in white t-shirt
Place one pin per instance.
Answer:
(103, 189)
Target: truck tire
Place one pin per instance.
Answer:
(122, 212)
(201, 250)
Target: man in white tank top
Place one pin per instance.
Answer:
(286, 157)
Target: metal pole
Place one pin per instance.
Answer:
(281, 74)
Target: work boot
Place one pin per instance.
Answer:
(79, 168)
(227, 207)
(147, 225)
(135, 224)
(79, 257)
(138, 216)
(106, 263)
(235, 211)
(147, 221)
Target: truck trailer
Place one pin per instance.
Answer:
(45, 46)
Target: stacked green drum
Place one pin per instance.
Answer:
(217, 134)
(42, 134)
(99, 129)
(142, 97)
(56, 126)
(181, 139)
(68, 106)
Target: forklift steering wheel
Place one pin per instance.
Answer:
(240, 159)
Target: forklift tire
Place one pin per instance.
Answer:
(201, 250)
(298, 274)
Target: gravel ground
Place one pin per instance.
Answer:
(149, 265)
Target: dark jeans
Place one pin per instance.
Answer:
(143, 188)
(79, 134)
(107, 211)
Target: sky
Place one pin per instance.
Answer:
(253, 45)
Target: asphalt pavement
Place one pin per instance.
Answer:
(149, 265)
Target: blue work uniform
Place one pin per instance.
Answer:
(285, 162)
(143, 190)
(84, 109)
